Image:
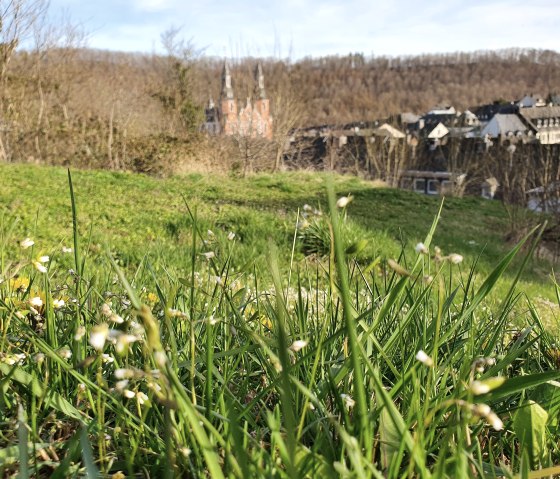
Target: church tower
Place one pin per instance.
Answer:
(228, 103)
(262, 103)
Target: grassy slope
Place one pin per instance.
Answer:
(137, 215)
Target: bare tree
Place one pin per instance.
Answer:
(17, 18)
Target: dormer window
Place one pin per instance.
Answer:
(539, 123)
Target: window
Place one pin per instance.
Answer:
(433, 187)
(420, 185)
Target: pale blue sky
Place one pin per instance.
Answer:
(298, 28)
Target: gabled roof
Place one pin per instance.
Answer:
(503, 124)
(439, 131)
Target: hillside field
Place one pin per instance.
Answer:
(216, 326)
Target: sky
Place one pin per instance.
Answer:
(311, 28)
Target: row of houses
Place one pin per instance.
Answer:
(530, 119)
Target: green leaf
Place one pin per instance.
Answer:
(518, 384)
(23, 446)
(389, 437)
(529, 424)
(548, 395)
(87, 454)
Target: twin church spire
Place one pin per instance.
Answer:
(254, 119)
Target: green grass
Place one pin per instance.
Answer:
(258, 361)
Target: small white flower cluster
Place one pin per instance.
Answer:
(12, 359)
(307, 213)
(484, 411)
(480, 364)
(110, 314)
(454, 258)
(100, 334)
(38, 262)
(424, 358)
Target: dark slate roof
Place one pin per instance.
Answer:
(486, 112)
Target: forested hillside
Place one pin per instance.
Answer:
(66, 105)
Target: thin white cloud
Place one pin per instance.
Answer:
(323, 27)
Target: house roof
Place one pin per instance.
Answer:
(408, 117)
(388, 131)
(439, 131)
(503, 124)
(486, 112)
(539, 112)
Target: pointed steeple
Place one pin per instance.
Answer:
(227, 90)
(259, 83)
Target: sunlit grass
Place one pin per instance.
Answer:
(350, 362)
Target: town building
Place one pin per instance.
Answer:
(253, 119)
(545, 120)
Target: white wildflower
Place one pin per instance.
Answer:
(58, 303)
(115, 318)
(209, 255)
(231, 236)
(106, 310)
(482, 409)
(210, 234)
(420, 248)
(43, 259)
(124, 373)
(39, 267)
(141, 397)
(455, 258)
(348, 401)
(424, 358)
(80, 332)
(107, 358)
(27, 243)
(478, 387)
(121, 385)
(65, 353)
(39, 358)
(36, 302)
(127, 393)
(66, 250)
(123, 342)
(343, 201)
(98, 335)
(298, 345)
(495, 421)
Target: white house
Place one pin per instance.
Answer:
(438, 132)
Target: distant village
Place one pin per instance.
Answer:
(431, 153)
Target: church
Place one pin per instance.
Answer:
(229, 118)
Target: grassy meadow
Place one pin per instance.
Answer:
(291, 325)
